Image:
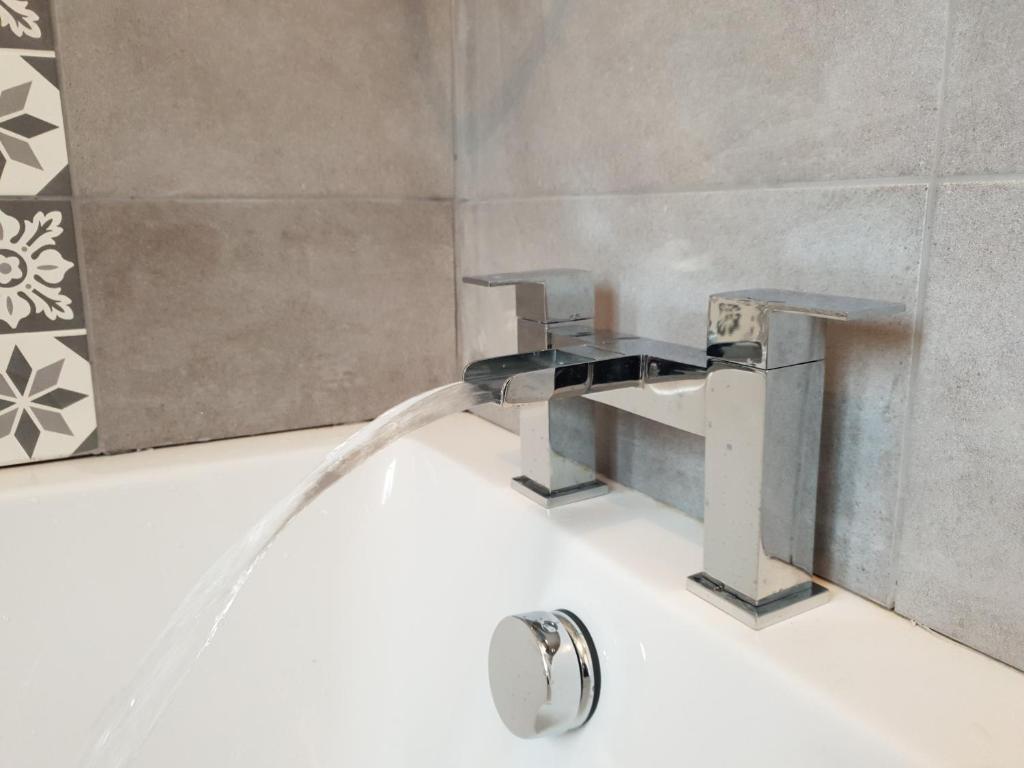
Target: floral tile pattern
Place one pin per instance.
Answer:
(47, 409)
(46, 397)
(40, 289)
(26, 25)
(33, 150)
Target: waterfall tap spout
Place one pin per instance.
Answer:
(537, 377)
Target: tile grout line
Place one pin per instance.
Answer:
(276, 198)
(980, 178)
(76, 219)
(894, 181)
(882, 181)
(59, 332)
(931, 203)
(454, 40)
(37, 53)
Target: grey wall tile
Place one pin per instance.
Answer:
(962, 538)
(589, 95)
(656, 259)
(984, 109)
(665, 463)
(258, 97)
(214, 319)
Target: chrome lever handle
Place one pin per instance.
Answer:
(819, 305)
(546, 295)
(740, 328)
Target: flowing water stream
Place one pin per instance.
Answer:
(132, 715)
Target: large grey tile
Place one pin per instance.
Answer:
(595, 96)
(258, 97)
(984, 109)
(656, 259)
(213, 319)
(962, 539)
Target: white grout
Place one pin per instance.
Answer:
(49, 333)
(28, 52)
(981, 178)
(862, 183)
(275, 198)
(934, 182)
(454, 39)
(879, 181)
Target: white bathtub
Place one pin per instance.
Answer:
(362, 638)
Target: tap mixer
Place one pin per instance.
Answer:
(754, 393)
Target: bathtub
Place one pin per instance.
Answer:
(362, 638)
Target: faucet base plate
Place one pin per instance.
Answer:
(756, 616)
(538, 494)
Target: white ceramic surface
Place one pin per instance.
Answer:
(362, 638)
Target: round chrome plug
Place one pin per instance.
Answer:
(544, 673)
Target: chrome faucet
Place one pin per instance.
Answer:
(754, 394)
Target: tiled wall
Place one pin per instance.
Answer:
(258, 212)
(262, 192)
(679, 147)
(47, 409)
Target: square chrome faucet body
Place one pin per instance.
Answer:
(755, 394)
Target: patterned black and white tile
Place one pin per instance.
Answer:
(47, 409)
(33, 149)
(40, 288)
(46, 397)
(26, 25)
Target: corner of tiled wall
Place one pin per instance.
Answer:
(688, 147)
(46, 391)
